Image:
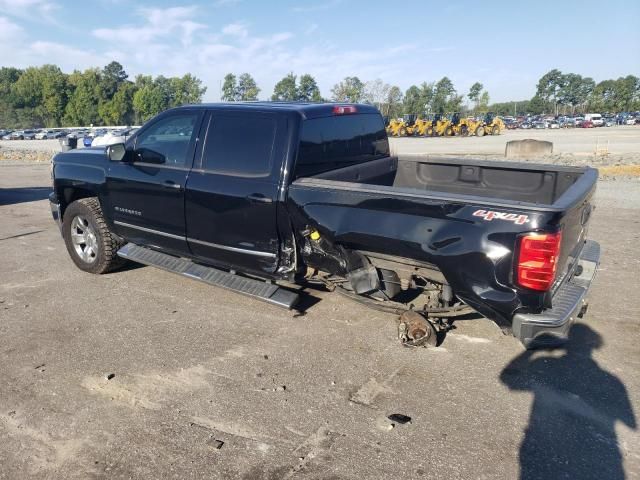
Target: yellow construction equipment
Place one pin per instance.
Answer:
(401, 127)
(468, 126)
(493, 125)
(441, 126)
(408, 125)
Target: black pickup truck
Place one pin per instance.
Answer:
(257, 196)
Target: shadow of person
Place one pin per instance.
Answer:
(576, 404)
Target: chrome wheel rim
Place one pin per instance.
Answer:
(84, 239)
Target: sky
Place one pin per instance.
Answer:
(505, 45)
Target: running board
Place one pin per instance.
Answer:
(261, 290)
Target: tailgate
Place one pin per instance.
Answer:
(577, 207)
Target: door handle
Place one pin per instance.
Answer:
(258, 197)
(171, 184)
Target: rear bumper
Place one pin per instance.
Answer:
(551, 326)
(55, 210)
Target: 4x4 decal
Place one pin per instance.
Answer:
(489, 215)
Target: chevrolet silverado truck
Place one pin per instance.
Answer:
(260, 197)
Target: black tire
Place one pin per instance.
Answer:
(402, 132)
(100, 248)
(464, 131)
(480, 131)
(495, 130)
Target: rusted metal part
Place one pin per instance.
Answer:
(415, 330)
(389, 306)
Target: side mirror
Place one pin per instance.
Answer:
(116, 152)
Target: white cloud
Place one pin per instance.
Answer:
(171, 42)
(9, 31)
(29, 9)
(326, 5)
(159, 23)
(236, 30)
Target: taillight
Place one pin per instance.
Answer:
(344, 109)
(537, 260)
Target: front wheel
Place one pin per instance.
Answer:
(90, 243)
(480, 132)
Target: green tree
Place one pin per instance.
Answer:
(393, 104)
(111, 77)
(413, 100)
(482, 104)
(349, 90)
(286, 89)
(152, 98)
(247, 88)
(308, 90)
(549, 87)
(537, 105)
(82, 108)
(119, 110)
(474, 93)
(444, 96)
(229, 88)
(186, 90)
(43, 90)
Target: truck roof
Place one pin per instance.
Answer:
(305, 109)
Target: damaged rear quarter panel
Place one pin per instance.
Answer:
(474, 255)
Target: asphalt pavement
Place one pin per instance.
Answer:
(144, 374)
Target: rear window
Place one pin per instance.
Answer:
(240, 145)
(330, 143)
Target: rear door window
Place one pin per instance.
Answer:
(240, 145)
(338, 141)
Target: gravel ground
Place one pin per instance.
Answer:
(615, 145)
(297, 397)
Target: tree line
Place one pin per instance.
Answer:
(47, 97)
(570, 93)
(556, 93)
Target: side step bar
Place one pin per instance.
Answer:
(267, 292)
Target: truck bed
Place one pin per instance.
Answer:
(462, 217)
(498, 182)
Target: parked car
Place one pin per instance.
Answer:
(56, 134)
(554, 124)
(630, 121)
(587, 124)
(609, 122)
(525, 125)
(7, 135)
(29, 135)
(595, 118)
(43, 134)
(17, 135)
(539, 125)
(313, 194)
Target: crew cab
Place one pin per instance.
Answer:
(256, 196)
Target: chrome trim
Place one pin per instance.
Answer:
(200, 242)
(56, 214)
(149, 230)
(232, 249)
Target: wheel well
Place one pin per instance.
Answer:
(70, 195)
